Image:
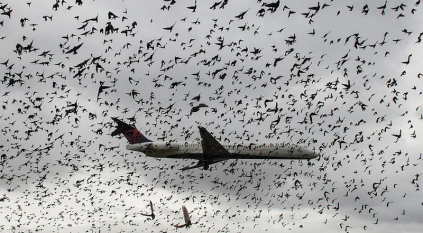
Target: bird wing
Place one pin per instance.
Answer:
(186, 215)
(151, 207)
(78, 46)
(70, 51)
(193, 109)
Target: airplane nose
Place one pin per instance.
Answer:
(312, 154)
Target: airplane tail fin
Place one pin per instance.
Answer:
(130, 132)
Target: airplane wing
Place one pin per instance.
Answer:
(211, 147)
(202, 164)
(213, 151)
(199, 164)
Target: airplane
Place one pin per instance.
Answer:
(209, 151)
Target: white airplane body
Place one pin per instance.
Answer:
(209, 150)
(246, 150)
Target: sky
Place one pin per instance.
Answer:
(343, 77)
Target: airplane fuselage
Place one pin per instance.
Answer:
(238, 150)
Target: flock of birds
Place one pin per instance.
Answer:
(246, 70)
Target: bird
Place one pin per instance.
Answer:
(186, 218)
(397, 136)
(170, 28)
(197, 108)
(74, 49)
(101, 89)
(152, 215)
(408, 60)
(193, 8)
(196, 98)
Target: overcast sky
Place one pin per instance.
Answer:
(355, 66)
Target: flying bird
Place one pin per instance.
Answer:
(74, 49)
(197, 108)
(170, 28)
(186, 218)
(101, 89)
(152, 215)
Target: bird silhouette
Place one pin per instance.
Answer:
(101, 89)
(152, 215)
(186, 218)
(75, 49)
(197, 108)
